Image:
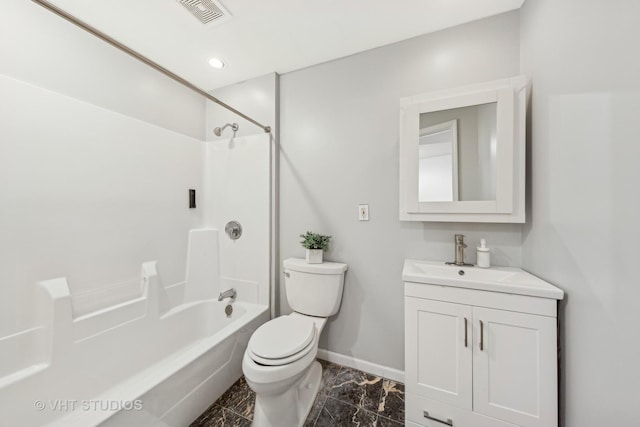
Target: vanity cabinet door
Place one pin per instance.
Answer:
(438, 357)
(515, 370)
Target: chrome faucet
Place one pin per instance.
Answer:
(229, 293)
(460, 245)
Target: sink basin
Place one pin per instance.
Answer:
(498, 279)
(427, 269)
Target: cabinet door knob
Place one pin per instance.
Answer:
(481, 336)
(465, 331)
(448, 422)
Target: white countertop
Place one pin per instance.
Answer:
(509, 280)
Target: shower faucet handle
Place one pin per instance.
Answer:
(233, 230)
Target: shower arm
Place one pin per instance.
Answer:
(234, 126)
(144, 59)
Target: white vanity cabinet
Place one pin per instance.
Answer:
(480, 358)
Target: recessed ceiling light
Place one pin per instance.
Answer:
(216, 63)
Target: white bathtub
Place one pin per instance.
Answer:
(139, 363)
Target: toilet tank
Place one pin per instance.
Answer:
(314, 289)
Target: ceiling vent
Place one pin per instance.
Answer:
(207, 11)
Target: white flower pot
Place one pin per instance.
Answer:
(314, 256)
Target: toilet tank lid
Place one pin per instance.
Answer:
(298, 264)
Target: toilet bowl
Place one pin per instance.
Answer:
(279, 363)
(286, 384)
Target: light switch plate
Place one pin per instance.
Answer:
(363, 212)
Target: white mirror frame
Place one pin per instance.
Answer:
(511, 98)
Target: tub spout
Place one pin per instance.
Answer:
(229, 293)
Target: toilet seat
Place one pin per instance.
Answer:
(282, 340)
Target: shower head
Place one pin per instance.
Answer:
(234, 127)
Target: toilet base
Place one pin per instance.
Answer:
(292, 407)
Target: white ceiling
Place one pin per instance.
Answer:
(265, 36)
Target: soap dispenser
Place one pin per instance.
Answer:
(483, 258)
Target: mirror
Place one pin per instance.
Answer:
(448, 171)
(438, 161)
(462, 154)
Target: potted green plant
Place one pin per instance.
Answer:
(315, 244)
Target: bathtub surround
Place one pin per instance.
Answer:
(259, 98)
(84, 216)
(347, 397)
(202, 280)
(96, 157)
(238, 189)
(339, 130)
(89, 194)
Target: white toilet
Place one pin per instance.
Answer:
(280, 361)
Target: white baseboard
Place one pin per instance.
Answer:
(361, 365)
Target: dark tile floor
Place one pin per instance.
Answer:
(347, 397)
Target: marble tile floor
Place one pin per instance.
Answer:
(347, 397)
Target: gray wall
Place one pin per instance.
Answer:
(339, 148)
(583, 233)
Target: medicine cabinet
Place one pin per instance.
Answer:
(462, 153)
